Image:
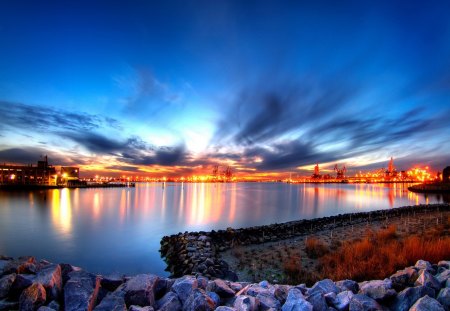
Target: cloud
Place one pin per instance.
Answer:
(30, 155)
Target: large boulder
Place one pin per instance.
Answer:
(112, 302)
(406, 298)
(362, 302)
(444, 263)
(404, 278)
(169, 302)
(246, 303)
(424, 265)
(6, 283)
(324, 286)
(380, 290)
(23, 265)
(111, 281)
(198, 300)
(140, 290)
(427, 303)
(184, 286)
(80, 291)
(21, 282)
(318, 301)
(221, 288)
(32, 298)
(139, 308)
(444, 298)
(268, 302)
(7, 305)
(295, 301)
(225, 308)
(348, 285)
(342, 300)
(442, 277)
(427, 279)
(50, 277)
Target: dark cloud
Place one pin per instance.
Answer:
(125, 168)
(165, 156)
(31, 155)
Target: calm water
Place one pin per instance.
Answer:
(119, 229)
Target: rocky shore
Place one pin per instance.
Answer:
(28, 284)
(198, 253)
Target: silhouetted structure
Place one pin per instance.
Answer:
(42, 174)
(446, 174)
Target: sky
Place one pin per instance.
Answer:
(267, 87)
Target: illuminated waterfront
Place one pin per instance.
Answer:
(119, 229)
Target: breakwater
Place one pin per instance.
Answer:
(198, 253)
(27, 284)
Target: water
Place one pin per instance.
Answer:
(119, 229)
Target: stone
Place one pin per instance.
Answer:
(427, 303)
(112, 281)
(295, 301)
(54, 305)
(442, 277)
(444, 298)
(65, 270)
(33, 297)
(202, 282)
(184, 286)
(427, 279)
(6, 283)
(255, 289)
(348, 285)
(80, 291)
(317, 300)
(424, 265)
(404, 278)
(139, 308)
(342, 300)
(361, 302)
(113, 302)
(444, 263)
(324, 286)
(198, 300)
(45, 308)
(169, 302)
(6, 305)
(281, 292)
(214, 297)
(140, 290)
(406, 298)
(236, 286)
(19, 265)
(329, 298)
(21, 282)
(246, 303)
(380, 290)
(50, 277)
(221, 288)
(264, 284)
(267, 302)
(225, 308)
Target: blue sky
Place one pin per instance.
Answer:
(169, 87)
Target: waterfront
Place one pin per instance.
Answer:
(119, 229)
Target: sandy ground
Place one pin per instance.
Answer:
(264, 261)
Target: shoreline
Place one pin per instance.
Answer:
(200, 253)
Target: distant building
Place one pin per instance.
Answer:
(42, 174)
(69, 175)
(446, 174)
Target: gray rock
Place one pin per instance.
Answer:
(254, 290)
(23, 265)
(80, 291)
(112, 281)
(264, 284)
(45, 308)
(427, 304)
(442, 277)
(163, 285)
(342, 300)
(140, 290)
(330, 297)
(139, 308)
(295, 301)
(112, 302)
(21, 282)
(444, 263)
(427, 279)
(406, 298)
(65, 270)
(6, 305)
(380, 290)
(54, 305)
(361, 302)
(6, 283)
(225, 308)
(50, 277)
(246, 303)
(268, 302)
(348, 285)
(444, 298)
(202, 282)
(236, 286)
(221, 288)
(198, 300)
(214, 297)
(317, 300)
(184, 286)
(3, 263)
(281, 292)
(32, 298)
(404, 278)
(424, 265)
(169, 302)
(325, 286)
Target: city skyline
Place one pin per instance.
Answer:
(265, 87)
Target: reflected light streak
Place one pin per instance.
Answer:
(62, 211)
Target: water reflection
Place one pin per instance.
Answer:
(61, 210)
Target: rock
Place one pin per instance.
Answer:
(33, 297)
(342, 300)
(348, 285)
(3, 263)
(21, 282)
(246, 303)
(214, 297)
(295, 301)
(112, 302)
(426, 279)
(444, 298)
(184, 286)
(444, 263)
(268, 302)
(264, 284)
(281, 292)
(140, 290)
(424, 265)
(169, 302)
(329, 298)
(139, 308)
(236, 286)
(361, 302)
(80, 291)
(427, 303)
(225, 308)
(442, 277)
(6, 305)
(406, 298)
(254, 290)
(20, 265)
(317, 300)
(198, 300)
(404, 278)
(45, 308)
(380, 290)
(325, 286)
(65, 270)
(221, 288)
(112, 281)
(202, 282)
(54, 305)
(50, 277)
(5, 284)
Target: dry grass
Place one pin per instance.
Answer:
(315, 248)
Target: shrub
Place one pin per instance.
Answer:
(315, 248)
